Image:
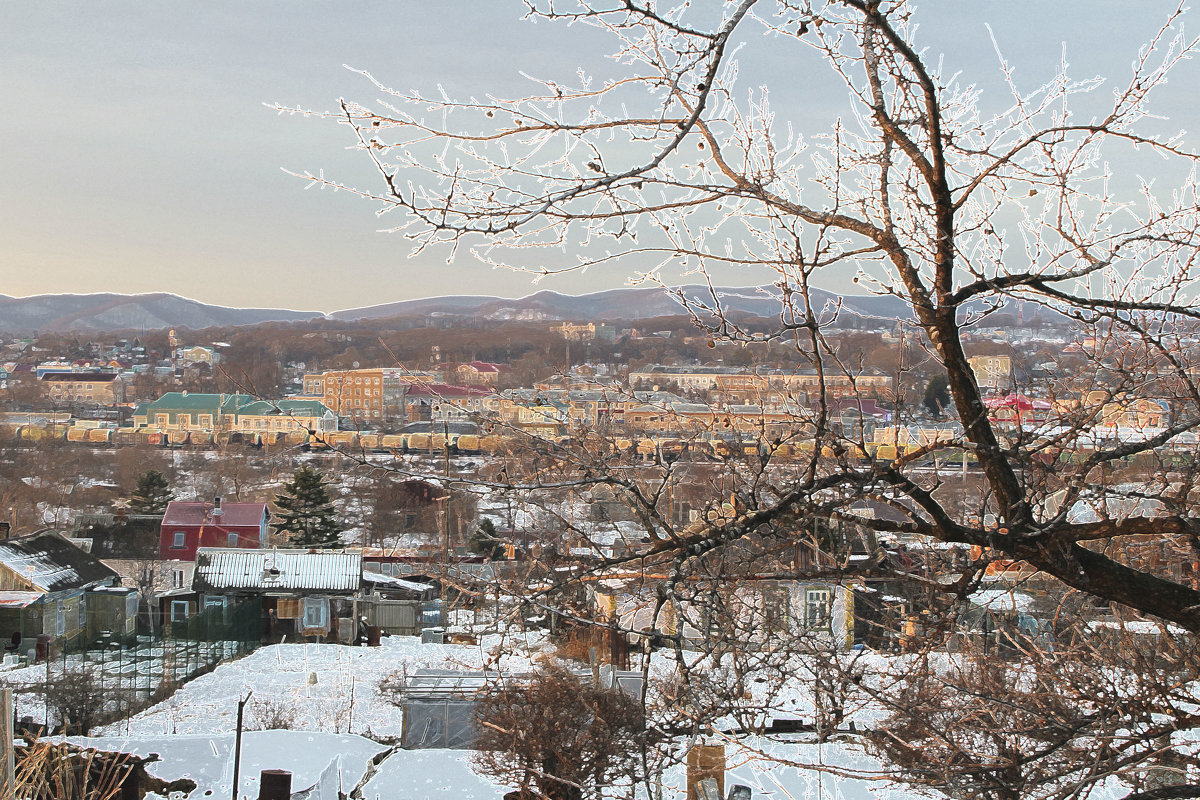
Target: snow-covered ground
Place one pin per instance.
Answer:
(314, 687)
(329, 697)
(208, 759)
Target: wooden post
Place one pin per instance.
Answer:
(274, 784)
(705, 761)
(237, 747)
(8, 773)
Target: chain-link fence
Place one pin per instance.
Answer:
(93, 678)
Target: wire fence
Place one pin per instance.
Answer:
(123, 674)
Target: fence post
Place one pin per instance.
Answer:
(237, 750)
(8, 774)
(274, 784)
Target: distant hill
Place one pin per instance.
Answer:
(620, 304)
(106, 312)
(91, 313)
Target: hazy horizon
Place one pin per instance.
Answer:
(141, 157)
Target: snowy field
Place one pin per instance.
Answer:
(329, 697)
(338, 721)
(314, 687)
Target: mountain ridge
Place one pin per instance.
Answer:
(107, 311)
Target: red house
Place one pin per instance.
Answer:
(187, 527)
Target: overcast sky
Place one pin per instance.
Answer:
(136, 153)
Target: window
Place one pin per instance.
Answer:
(212, 603)
(176, 579)
(231, 540)
(82, 613)
(180, 540)
(60, 619)
(161, 419)
(179, 610)
(816, 607)
(316, 612)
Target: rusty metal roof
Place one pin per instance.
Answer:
(222, 569)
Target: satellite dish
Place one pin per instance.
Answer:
(355, 365)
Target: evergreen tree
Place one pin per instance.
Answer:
(937, 395)
(152, 493)
(306, 513)
(486, 542)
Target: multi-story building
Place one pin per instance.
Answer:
(365, 396)
(585, 331)
(764, 386)
(101, 388)
(476, 373)
(992, 373)
(448, 403)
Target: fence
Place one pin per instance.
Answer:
(403, 617)
(129, 671)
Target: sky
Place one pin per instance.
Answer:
(138, 154)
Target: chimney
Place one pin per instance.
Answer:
(216, 512)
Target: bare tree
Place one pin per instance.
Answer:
(930, 195)
(556, 737)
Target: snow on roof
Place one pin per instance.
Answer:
(398, 583)
(51, 563)
(181, 513)
(1002, 600)
(219, 568)
(18, 599)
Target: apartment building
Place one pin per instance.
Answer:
(101, 388)
(365, 396)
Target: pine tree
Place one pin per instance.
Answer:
(152, 493)
(306, 513)
(486, 542)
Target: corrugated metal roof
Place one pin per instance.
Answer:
(219, 569)
(18, 599)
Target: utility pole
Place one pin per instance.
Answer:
(237, 745)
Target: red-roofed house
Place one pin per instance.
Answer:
(186, 527)
(1017, 409)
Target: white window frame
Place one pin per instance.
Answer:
(315, 613)
(180, 541)
(232, 539)
(176, 579)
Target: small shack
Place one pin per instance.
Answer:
(46, 587)
(310, 594)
